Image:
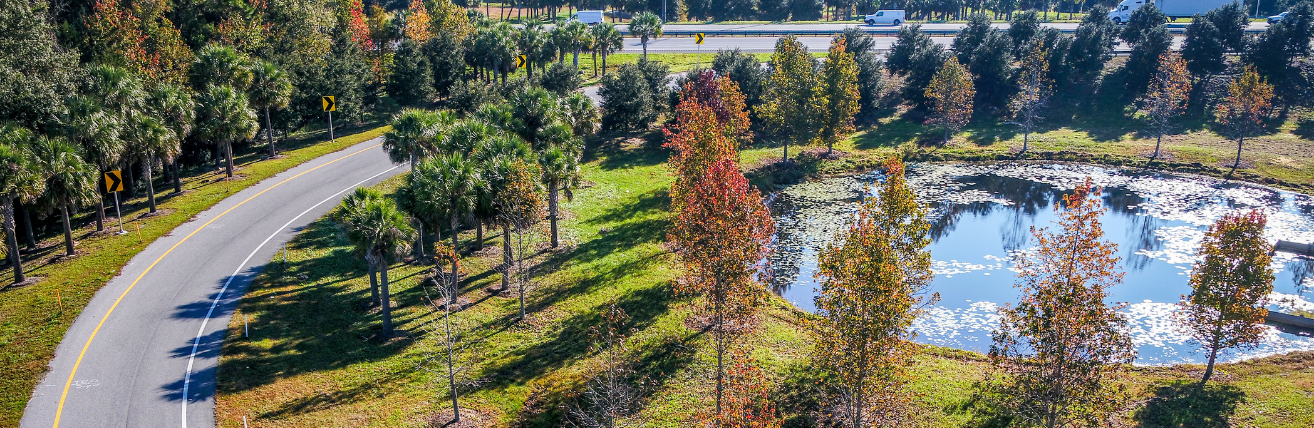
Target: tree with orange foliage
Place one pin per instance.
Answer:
(417, 23)
(873, 285)
(1229, 286)
(1169, 90)
(1249, 101)
(747, 396)
(1059, 351)
(699, 138)
(721, 233)
(722, 95)
(950, 94)
(115, 37)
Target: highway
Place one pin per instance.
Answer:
(144, 351)
(942, 29)
(768, 44)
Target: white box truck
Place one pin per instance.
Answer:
(588, 16)
(1173, 8)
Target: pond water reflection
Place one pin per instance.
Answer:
(981, 217)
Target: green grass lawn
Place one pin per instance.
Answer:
(311, 360)
(33, 318)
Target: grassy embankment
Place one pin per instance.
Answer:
(310, 361)
(33, 318)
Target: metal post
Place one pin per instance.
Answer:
(246, 326)
(331, 126)
(663, 11)
(118, 214)
(284, 253)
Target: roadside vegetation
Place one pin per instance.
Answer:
(611, 276)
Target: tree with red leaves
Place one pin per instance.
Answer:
(722, 95)
(721, 232)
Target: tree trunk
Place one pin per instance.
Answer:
(383, 295)
(269, 134)
(479, 235)
(604, 62)
(7, 211)
(419, 242)
(68, 230)
(374, 283)
(785, 157)
(576, 59)
(1209, 369)
(150, 184)
(177, 177)
(1237, 164)
(506, 257)
(719, 333)
(456, 280)
(100, 213)
(552, 210)
(228, 154)
(595, 62)
(1156, 145)
(129, 182)
(30, 237)
(451, 359)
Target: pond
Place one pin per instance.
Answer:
(981, 215)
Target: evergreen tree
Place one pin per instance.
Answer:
(1147, 33)
(36, 73)
(992, 72)
(870, 77)
(627, 100)
(744, 70)
(1092, 46)
(917, 58)
(412, 79)
(1021, 29)
(1202, 47)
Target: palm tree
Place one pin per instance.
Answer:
(606, 39)
(560, 175)
(532, 111)
(21, 180)
(97, 132)
(270, 87)
(217, 65)
(147, 136)
(530, 43)
(466, 136)
(224, 118)
(415, 134)
(175, 108)
(452, 180)
(378, 230)
(71, 182)
(560, 42)
(496, 158)
(577, 36)
(646, 25)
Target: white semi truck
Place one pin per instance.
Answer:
(1173, 8)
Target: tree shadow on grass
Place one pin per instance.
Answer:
(1187, 404)
(620, 151)
(319, 325)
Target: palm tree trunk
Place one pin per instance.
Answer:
(100, 213)
(604, 62)
(150, 184)
(644, 42)
(479, 235)
(30, 236)
(552, 210)
(228, 154)
(387, 305)
(129, 182)
(68, 230)
(269, 134)
(595, 63)
(7, 211)
(177, 176)
(374, 284)
(576, 58)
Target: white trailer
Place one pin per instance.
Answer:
(1173, 8)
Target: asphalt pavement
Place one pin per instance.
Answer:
(144, 351)
(762, 44)
(839, 27)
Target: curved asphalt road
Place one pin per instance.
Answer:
(155, 330)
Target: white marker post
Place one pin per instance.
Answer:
(119, 214)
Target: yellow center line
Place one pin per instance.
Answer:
(59, 411)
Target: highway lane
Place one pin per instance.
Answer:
(768, 44)
(155, 331)
(838, 27)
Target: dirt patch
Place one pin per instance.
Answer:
(31, 280)
(470, 418)
(824, 154)
(157, 213)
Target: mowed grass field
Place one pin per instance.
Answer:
(33, 318)
(311, 360)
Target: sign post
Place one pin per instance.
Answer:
(114, 184)
(330, 106)
(698, 40)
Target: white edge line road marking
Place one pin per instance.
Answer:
(197, 343)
